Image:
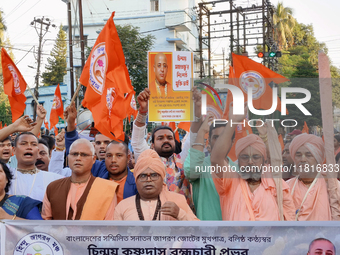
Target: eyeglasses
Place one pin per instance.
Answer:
(255, 158)
(2, 145)
(144, 177)
(103, 142)
(82, 155)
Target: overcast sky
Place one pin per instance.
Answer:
(18, 14)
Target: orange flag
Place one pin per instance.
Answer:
(55, 131)
(109, 94)
(0, 124)
(46, 123)
(249, 73)
(281, 142)
(185, 126)
(14, 85)
(57, 108)
(305, 128)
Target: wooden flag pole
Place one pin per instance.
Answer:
(325, 84)
(76, 93)
(35, 99)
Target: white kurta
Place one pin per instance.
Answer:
(32, 185)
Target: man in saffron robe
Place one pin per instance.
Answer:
(80, 196)
(309, 189)
(250, 193)
(153, 200)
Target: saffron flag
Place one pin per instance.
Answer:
(305, 128)
(14, 85)
(249, 73)
(185, 126)
(46, 123)
(57, 108)
(109, 94)
(281, 142)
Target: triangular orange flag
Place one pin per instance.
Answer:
(249, 73)
(57, 108)
(109, 91)
(46, 123)
(305, 128)
(281, 142)
(14, 85)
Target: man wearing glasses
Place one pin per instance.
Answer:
(248, 193)
(153, 200)
(80, 196)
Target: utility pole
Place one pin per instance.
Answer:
(41, 33)
(82, 42)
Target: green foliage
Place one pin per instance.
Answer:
(135, 48)
(56, 68)
(283, 25)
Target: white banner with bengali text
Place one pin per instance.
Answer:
(158, 238)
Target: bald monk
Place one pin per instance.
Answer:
(160, 87)
(153, 200)
(247, 194)
(309, 193)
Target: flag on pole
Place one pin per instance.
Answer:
(14, 85)
(305, 128)
(46, 123)
(249, 73)
(57, 108)
(109, 94)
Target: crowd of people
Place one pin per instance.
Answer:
(71, 178)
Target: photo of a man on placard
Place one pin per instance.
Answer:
(160, 87)
(321, 246)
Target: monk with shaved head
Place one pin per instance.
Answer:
(309, 188)
(160, 87)
(247, 192)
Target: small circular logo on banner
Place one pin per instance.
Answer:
(56, 103)
(38, 244)
(15, 79)
(255, 80)
(98, 68)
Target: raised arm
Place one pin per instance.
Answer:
(41, 114)
(224, 141)
(138, 142)
(23, 124)
(71, 134)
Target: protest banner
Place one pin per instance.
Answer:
(170, 81)
(122, 237)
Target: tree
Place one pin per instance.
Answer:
(283, 25)
(56, 68)
(135, 48)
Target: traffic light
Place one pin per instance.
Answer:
(269, 54)
(272, 54)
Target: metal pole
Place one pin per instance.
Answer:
(201, 40)
(209, 50)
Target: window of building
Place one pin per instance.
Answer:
(154, 5)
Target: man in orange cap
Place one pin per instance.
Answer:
(153, 200)
(246, 191)
(309, 188)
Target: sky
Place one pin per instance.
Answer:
(18, 14)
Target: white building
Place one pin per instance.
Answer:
(172, 22)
